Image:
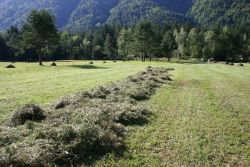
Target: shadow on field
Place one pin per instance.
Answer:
(188, 62)
(64, 61)
(87, 66)
(93, 157)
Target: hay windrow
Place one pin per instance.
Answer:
(79, 127)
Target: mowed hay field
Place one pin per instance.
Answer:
(201, 119)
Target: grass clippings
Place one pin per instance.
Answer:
(81, 127)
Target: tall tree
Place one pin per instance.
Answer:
(39, 32)
(168, 44)
(209, 49)
(76, 42)
(97, 45)
(155, 47)
(194, 43)
(143, 38)
(180, 38)
(66, 43)
(124, 42)
(109, 48)
(88, 46)
(3, 48)
(13, 41)
(227, 42)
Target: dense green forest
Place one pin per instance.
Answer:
(221, 12)
(130, 12)
(84, 15)
(144, 40)
(128, 29)
(78, 15)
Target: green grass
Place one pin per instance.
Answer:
(31, 83)
(201, 119)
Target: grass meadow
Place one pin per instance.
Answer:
(201, 119)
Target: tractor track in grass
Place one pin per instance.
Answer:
(191, 126)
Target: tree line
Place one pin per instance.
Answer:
(39, 39)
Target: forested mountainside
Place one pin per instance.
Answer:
(221, 12)
(14, 12)
(78, 15)
(181, 6)
(130, 12)
(90, 14)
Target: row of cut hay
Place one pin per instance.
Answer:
(80, 127)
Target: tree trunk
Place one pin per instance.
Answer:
(40, 60)
(168, 58)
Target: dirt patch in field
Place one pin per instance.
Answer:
(79, 128)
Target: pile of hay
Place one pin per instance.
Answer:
(53, 64)
(28, 112)
(80, 127)
(10, 66)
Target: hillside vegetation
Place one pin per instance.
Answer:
(221, 12)
(130, 12)
(79, 15)
(14, 12)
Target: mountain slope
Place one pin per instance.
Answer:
(14, 12)
(90, 13)
(181, 6)
(221, 12)
(129, 12)
(78, 15)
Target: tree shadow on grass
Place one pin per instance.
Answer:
(87, 66)
(64, 61)
(188, 62)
